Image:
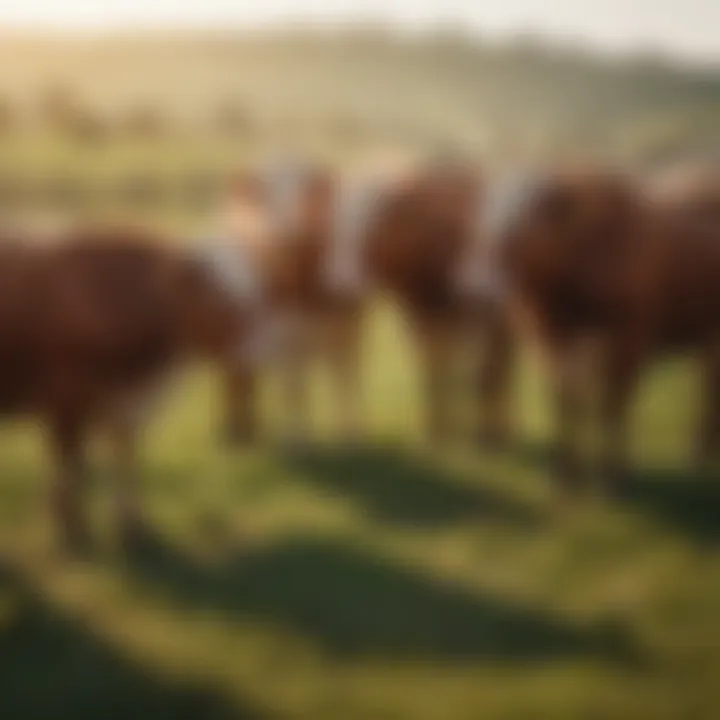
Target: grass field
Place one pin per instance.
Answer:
(389, 582)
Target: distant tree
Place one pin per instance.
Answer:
(145, 121)
(234, 120)
(141, 190)
(57, 106)
(88, 126)
(62, 110)
(8, 115)
(347, 129)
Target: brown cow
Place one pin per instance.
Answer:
(591, 262)
(284, 219)
(416, 244)
(91, 326)
(328, 243)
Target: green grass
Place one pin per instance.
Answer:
(388, 582)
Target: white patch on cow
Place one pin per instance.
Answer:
(506, 202)
(498, 212)
(354, 213)
(233, 269)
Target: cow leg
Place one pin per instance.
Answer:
(123, 439)
(345, 361)
(495, 383)
(241, 405)
(569, 400)
(295, 389)
(621, 375)
(708, 446)
(68, 438)
(436, 351)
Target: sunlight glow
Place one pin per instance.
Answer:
(689, 28)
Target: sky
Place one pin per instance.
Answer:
(684, 28)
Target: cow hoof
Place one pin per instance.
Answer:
(617, 485)
(572, 483)
(238, 436)
(440, 438)
(295, 444)
(77, 543)
(494, 440)
(572, 490)
(135, 536)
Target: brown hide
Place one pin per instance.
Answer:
(88, 327)
(591, 258)
(420, 233)
(591, 255)
(424, 229)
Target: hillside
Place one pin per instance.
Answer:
(343, 91)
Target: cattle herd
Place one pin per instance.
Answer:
(603, 271)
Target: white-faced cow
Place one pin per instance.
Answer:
(327, 243)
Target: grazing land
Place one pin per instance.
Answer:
(390, 580)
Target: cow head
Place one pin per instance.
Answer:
(480, 275)
(230, 316)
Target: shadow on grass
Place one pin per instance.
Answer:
(52, 668)
(685, 501)
(353, 605)
(393, 485)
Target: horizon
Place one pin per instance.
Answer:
(609, 27)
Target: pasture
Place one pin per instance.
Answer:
(381, 582)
